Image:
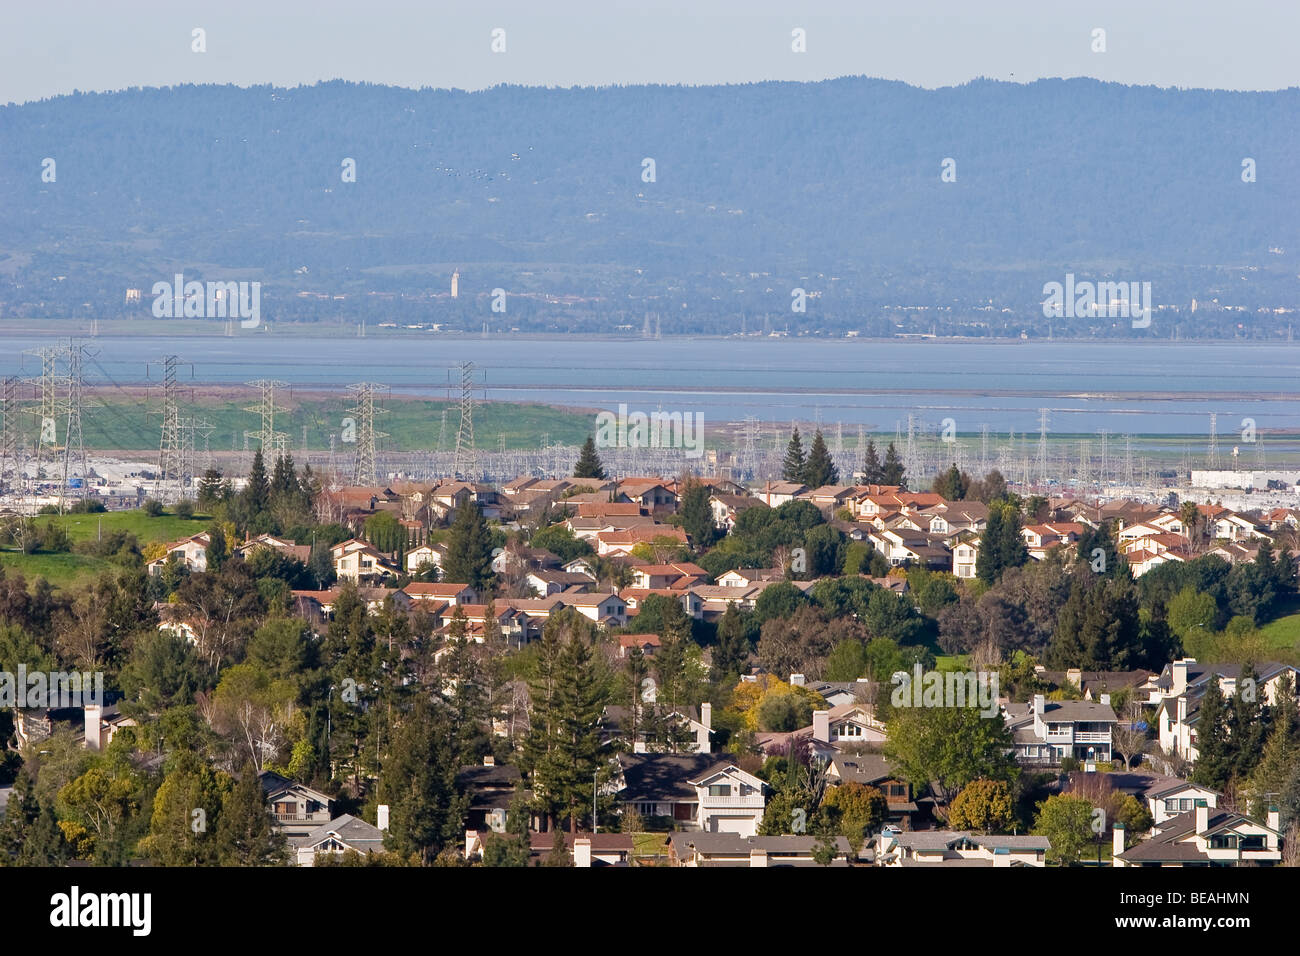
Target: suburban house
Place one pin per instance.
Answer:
(338, 836)
(677, 576)
(958, 848)
(425, 592)
(727, 508)
(490, 788)
(1175, 797)
(777, 493)
(748, 577)
(648, 643)
(191, 553)
(359, 563)
(965, 558)
(298, 552)
(695, 791)
(1045, 731)
(1204, 836)
(296, 808)
(694, 726)
(872, 770)
(692, 848)
(1042, 538)
(1183, 684)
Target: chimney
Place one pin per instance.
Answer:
(822, 726)
(702, 743)
(94, 727)
(582, 852)
(1040, 705)
(1105, 700)
(381, 816)
(1202, 816)
(796, 680)
(757, 857)
(1179, 670)
(1075, 676)
(1274, 821)
(489, 761)
(1117, 844)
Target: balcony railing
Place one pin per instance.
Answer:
(754, 800)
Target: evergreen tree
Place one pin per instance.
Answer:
(873, 472)
(1247, 731)
(209, 489)
(564, 750)
(952, 485)
(21, 813)
(216, 549)
(820, 468)
(255, 499)
(792, 468)
(246, 834)
(1214, 760)
(44, 843)
(186, 810)
(469, 549)
(418, 784)
(732, 649)
(893, 468)
(589, 464)
(696, 516)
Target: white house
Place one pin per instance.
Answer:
(1046, 731)
(1205, 836)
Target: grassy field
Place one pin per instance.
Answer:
(70, 570)
(117, 419)
(1283, 632)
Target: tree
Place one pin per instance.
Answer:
(1130, 741)
(819, 469)
(856, 810)
(695, 515)
(873, 472)
(946, 748)
(418, 783)
(469, 549)
(1189, 610)
(952, 485)
(893, 468)
(1215, 756)
(795, 463)
(505, 850)
(589, 464)
(1066, 821)
(186, 812)
(982, 805)
(246, 834)
(564, 750)
(731, 652)
(255, 498)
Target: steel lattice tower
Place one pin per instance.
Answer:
(74, 448)
(272, 442)
(466, 462)
(1042, 446)
(47, 406)
(365, 471)
(9, 427)
(171, 444)
(1212, 453)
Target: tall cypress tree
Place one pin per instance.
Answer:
(873, 472)
(792, 468)
(469, 549)
(893, 468)
(418, 783)
(246, 834)
(589, 464)
(820, 468)
(732, 650)
(1214, 750)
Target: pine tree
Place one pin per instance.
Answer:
(1246, 728)
(792, 468)
(695, 514)
(589, 464)
(209, 489)
(246, 834)
(893, 469)
(1214, 760)
(469, 549)
(418, 783)
(564, 748)
(820, 468)
(732, 650)
(257, 493)
(873, 472)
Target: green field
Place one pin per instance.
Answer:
(1283, 632)
(115, 419)
(68, 570)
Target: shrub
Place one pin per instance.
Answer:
(185, 509)
(153, 507)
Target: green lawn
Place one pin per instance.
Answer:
(68, 570)
(1284, 632)
(166, 527)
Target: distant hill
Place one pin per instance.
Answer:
(831, 186)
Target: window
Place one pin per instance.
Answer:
(720, 790)
(847, 729)
(1171, 805)
(1185, 804)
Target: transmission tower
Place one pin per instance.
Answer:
(466, 461)
(47, 407)
(171, 446)
(272, 442)
(1212, 453)
(984, 449)
(9, 427)
(74, 448)
(1042, 446)
(1105, 456)
(749, 456)
(1128, 461)
(442, 433)
(365, 471)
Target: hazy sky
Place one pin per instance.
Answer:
(56, 46)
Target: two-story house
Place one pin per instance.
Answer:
(1045, 731)
(695, 791)
(1205, 836)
